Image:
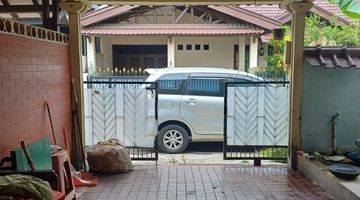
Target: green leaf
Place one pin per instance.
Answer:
(350, 8)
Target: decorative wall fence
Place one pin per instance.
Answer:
(111, 79)
(9, 26)
(117, 71)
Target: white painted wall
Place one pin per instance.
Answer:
(254, 55)
(171, 50)
(84, 62)
(91, 58)
(220, 54)
(241, 45)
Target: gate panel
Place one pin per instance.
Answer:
(126, 111)
(256, 119)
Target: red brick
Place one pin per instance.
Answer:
(3, 60)
(14, 75)
(31, 67)
(20, 68)
(23, 89)
(7, 68)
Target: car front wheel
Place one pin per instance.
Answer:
(173, 139)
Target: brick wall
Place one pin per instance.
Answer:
(31, 72)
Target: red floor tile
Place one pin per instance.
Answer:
(205, 182)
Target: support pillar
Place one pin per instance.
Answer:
(298, 11)
(74, 8)
(253, 63)
(171, 51)
(241, 45)
(90, 54)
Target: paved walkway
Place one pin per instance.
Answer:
(205, 182)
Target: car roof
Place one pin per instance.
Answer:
(162, 71)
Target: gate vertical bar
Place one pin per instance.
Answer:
(225, 121)
(260, 113)
(157, 122)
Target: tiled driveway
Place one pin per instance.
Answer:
(205, 182)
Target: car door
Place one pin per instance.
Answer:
(202, 104)
(170, 88)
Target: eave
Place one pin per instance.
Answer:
(182, 2)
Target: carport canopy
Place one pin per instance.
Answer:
(297, 8)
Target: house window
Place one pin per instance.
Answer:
(206, 47)
(84, 45)
(236, 57)
(189, 47)
(97, 45)
(180, 47)
(197, 46)
(247, 57)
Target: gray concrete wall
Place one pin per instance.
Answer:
(326, 91)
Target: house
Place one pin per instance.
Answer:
(170, 36)
(138, 37)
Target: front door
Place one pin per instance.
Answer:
(140, 56)
(202, 104)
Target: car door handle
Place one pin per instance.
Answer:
(191, 101)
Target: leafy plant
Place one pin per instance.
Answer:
(350, 8)
(317, 32)
(274, 153)
(275, 68)
(333, 33)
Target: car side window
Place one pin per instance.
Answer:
(205, 86)
(171, 83)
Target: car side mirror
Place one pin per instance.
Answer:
(151, 88)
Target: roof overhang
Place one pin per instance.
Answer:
(251, 17)
(104, 14)
(172, 29)
(319, 11)
(183, 2)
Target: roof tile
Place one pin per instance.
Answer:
(331, 57)
(275, 12)
(172, 29)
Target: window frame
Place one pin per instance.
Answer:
(189, 49)
(207, 47)
(180, 47)
(97, 44)
(84, 45)
(224, 77)
(197, 45)
(182, 87)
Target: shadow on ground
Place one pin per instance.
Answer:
(200, 153)
(204, 147)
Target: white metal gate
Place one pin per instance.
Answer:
(126, 111)
(256, 115)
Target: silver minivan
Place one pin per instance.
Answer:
(191, 104)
